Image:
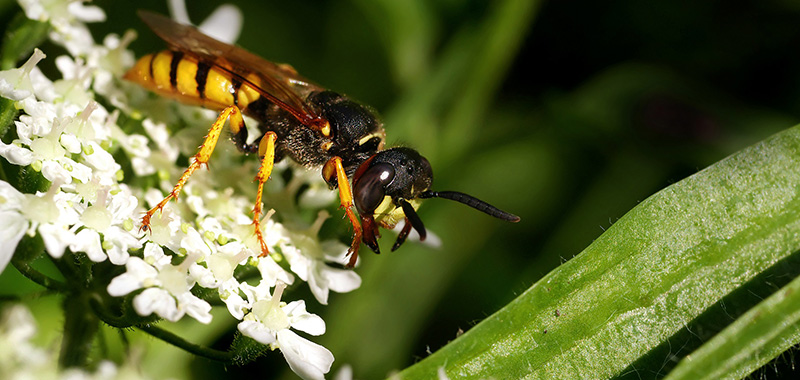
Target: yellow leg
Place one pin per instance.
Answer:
(200, 159)
(346, 200)
(266, 149)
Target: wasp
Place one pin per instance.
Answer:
(299, 120)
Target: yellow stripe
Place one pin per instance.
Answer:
(248, 94)
(186, 83)
(140, 72)
(161, 69)
(218, 92)
(219, 88)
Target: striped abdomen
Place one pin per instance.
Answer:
(182, 77)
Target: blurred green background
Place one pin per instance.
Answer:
(567, 113)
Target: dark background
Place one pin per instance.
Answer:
(567, 113)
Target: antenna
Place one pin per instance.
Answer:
(472, 202)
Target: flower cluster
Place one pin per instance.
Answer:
(206, 241)
(25, 360)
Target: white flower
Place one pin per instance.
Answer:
(269, 321)
(229, 290)
(90, 125)
(37, 120)
(221, 264)
(55, 215)
(345, 372)
(168, 287)
(48, 213)
(15, 84)
(111, 216)
(224, 24)
(12, 223)
(111, 59)
(44, 134)
(20, 358)
(73, 140)
(308, 259)
(12, 228)
(44, 10)
(17, 328)
(67, 18)
(74, 87)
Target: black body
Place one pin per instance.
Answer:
(350, 123)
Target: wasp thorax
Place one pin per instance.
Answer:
(356, 131)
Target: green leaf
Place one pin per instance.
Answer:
(749, 343)
(667, 264)
(22, 35)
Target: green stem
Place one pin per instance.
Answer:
(208, 353)
(108, 318)
(80, 327)
(67, 268)
(38, 277)
(121, 323)
(3, 175)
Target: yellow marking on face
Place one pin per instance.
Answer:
(381, 135)
(387, 215)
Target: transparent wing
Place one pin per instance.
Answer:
(280, 84)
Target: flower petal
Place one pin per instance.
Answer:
(271, 272)
(12, 228)
(257, 331)
(137, 271)
(341, 280)
(302, 320)
(56, 238)
(225, 24)
(195, 307)
(159, 301)
(16, 155)
(10, 198)
(88, 240)
(307, 359)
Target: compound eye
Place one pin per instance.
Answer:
(369, 189)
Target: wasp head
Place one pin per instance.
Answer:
(389, 187)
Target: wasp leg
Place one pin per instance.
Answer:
(369, 230)
(239, 138)
(200, 159)
(346, 200)
(266, 150)
(401, 237)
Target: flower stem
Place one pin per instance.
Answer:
(208, 353)
(80, 327)
(38, 277)
(123, 323)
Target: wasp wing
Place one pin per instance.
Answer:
(278, 83)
